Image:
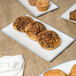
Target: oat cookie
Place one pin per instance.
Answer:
(32, 2)
(33, 29)
(49, 40)
(43, 5)
(73, 15)
(21, 22)
(73, 71)
(54, 72)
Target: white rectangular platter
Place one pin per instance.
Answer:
(65, 67)
(66, 14)
(33, 46)
(34, 10)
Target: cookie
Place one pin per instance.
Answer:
(43, 5)
(32, 2)
(73, 71)
(49, 40)
(54, 72)
(73, 15)
(21, 22)
(33, 29)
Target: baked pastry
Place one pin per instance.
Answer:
(21, 22)
(42, 5)
(73, 15)
(33, 29)
(32, 2)
(54, 72)
(73, 71)
(49, 40)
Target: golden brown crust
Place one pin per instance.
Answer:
(73, 15)
(43, 5)
(32, 2)
(73, 71)
(21, 22)
(49, 40)
(55, 72)
(33, 29)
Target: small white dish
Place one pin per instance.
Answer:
(34, 10)
(65, 67)
(34, 46)
(66, 14)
